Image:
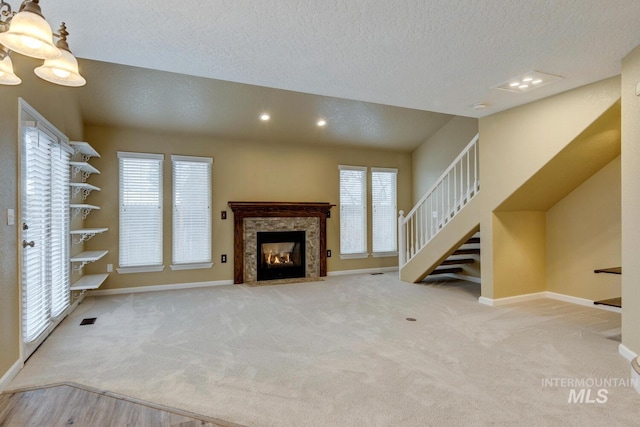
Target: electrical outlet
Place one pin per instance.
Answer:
(223, 215)
(223, 258)
(328, 253)
(109, 268)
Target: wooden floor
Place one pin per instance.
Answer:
(71, 404)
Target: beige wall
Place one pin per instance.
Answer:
(58, 105)
(242, 171)
(517, 143)
(433, 156)
(583, 234)
(631, 201)
(519, 252)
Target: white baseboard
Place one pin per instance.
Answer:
(10, 374)
(569, 298)
(546, 294)
(362, 271)
(463, 277)
(626, 352)
(155, 288)
(511, 300)
(635, 373)
(581, 301)
(76, 303)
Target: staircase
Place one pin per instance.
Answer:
(467, 254)
(445, 203)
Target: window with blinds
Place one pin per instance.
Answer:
(45, 229)
(384, 211)
(140, 212)
(353, 211)
(191, 212)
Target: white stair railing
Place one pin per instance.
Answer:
(451, 192)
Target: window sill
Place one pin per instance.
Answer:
(141, 269)
(384, 254)
(201, 265)
(354, 256)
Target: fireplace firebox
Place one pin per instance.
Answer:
(280, 254)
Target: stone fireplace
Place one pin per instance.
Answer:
(283, 225)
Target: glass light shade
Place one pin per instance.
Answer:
(7, 77)
(61, 71)
(30, 35)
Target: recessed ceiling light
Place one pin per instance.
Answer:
(479, 106)
(528, 81)
(321, 122)
(265, 117)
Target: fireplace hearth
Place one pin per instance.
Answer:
(280, 254)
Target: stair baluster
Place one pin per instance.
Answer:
(440, 204)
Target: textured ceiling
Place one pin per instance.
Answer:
(438, 55)
(118, 95)
(361, 56)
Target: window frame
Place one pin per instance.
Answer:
(125, 269)
(393, 221)
(363, 213)
(201, 264)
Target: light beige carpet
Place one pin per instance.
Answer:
(341, 353)
(298, 280)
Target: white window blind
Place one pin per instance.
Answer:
(191, 212)
(384, 211)
(140, 212)
(45, 230)
(59, 247)
(353, 211)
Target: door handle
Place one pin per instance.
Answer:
(25, 243)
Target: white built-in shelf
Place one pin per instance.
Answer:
(83, 167)
(84, 148)
(84, 234)
(83, 206)
(84, 258)
(84, 186)
(89, 281)
(77, 187)
(88, 256)
(89, 231)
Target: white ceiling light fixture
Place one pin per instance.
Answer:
(28, 33)
(265, 117)
(528, 81)
(64, 70)
(7, 77)
(321, 122)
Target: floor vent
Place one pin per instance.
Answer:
(411, 319)
(376, 274)
(88, 321)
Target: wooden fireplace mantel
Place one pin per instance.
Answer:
(242, 210)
